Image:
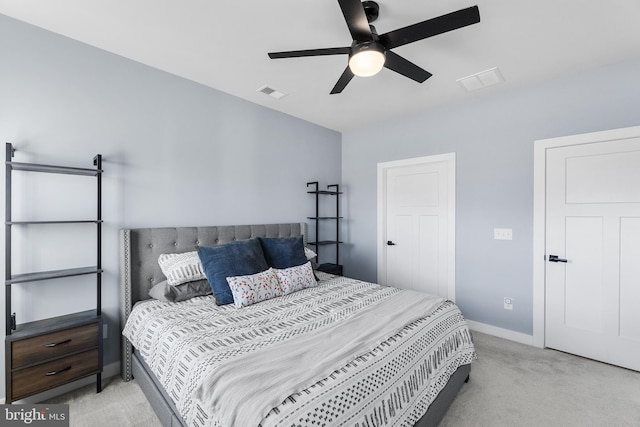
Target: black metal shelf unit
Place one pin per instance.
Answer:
(10, 279)
(333, 190)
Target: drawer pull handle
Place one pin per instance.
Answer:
(55, 344)
(48, 374)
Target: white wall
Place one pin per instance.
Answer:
(175, 153)
(492, 136)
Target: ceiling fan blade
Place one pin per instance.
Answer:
(343, 81)
(310, 52)
(353, 12)
(431, 27)
(400, 65)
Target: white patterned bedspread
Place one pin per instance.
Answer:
(393, 384)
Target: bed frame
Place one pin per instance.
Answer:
(139, 270)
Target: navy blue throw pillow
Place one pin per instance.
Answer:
(283, 252)
(239, 258)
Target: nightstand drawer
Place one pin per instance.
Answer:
(42, 377)
(56, 344)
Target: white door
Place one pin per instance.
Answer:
(416, 240)
(593, 227)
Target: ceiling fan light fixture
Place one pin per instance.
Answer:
(367, 59)
(370, 52)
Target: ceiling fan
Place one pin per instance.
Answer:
(370, 52)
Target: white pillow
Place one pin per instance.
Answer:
(309, 253)
(296, 278)
(254, 288)
(181, 268)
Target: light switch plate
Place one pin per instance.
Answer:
(502, 234)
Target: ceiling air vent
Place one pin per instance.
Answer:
(272, 92)
(482, 79)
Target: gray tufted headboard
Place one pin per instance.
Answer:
(140, 248)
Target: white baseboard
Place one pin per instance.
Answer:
(108, 371)
(501, 332)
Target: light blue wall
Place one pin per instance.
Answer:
(492, 137)
(178, 153)
(175, 153)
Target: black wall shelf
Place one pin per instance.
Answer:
(317, 218)
(10, 279)
(85, 327)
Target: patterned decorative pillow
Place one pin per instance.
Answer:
(296, 278)
(238, 258)
(181, 268)
(254, 288)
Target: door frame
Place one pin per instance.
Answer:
(540, 148)
(450, 159)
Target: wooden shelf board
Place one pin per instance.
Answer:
(332, 193)
(38, 327)
(80, 221)
(34, 167)
(54, 274)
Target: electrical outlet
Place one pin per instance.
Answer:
(105, 331)
(508, 303)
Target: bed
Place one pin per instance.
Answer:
(436, 350)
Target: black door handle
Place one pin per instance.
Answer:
(554, 258)
(390, 243)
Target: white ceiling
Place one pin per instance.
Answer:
(224, 45)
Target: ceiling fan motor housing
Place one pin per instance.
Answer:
(358, 47)
(371, 9)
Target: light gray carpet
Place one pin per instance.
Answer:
(119, 404)
(517, 385)
(511, 385)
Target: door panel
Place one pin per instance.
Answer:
(401, 256)
(414, 190)
(416, 211)
(429, 265)
(593, 221)
(583, 287)
(603, 178)
(630, 278)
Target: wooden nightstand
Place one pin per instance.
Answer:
(47, 353)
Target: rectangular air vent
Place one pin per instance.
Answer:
(482, 79)
(271, 92)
